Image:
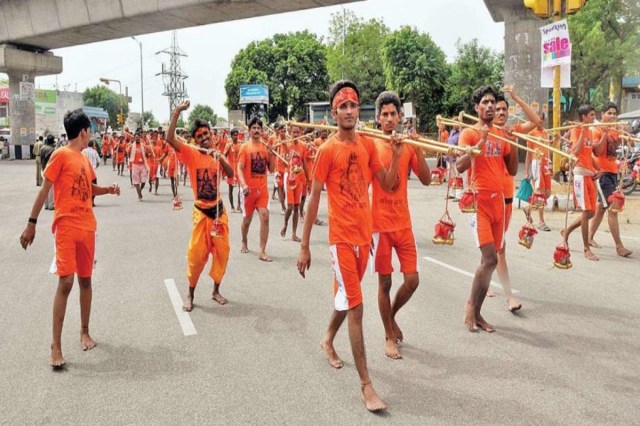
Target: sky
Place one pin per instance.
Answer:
(211, 48)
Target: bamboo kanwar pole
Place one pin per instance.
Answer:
(427, 141)
(533, 139)
(510, 142)
(573, 126)
(417, 143)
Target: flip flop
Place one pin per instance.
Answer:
(543, 227)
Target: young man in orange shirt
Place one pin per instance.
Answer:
(254, 161)
(392, 222)
(605, 156)
(295, 181)
(231, 151)
(488, 170)
(74, 226)
(279, 145)
(346, 163)
(210, 233)
(139, 155)
(539, 171)
(584, 176)
(501, 118)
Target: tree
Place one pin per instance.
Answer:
(107, 99)
(473, 67)
(150, 120)
(292, 65)
(203, 112)
(354, 53)
(604, 37)
(415, 67)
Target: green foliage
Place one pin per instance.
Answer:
(359, 58)
(292, 65)
(473, 67)
(203, 112)
(110, 101)
(149, 120)
(415, 67)
(604, 37)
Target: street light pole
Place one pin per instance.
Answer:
(141, 84)
(109, 80)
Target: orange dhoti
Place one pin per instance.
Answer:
(202, 244)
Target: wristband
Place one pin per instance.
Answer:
(33, 220)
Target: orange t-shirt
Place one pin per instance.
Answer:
(444, 136)
(283, 150)
(296, 157)
(585, 158)
(203, 175)
(139, 153)
(255, 159)
(390, 210)
(606, 161)
(232, 154)
(71, 175)
(488, 169)
(106, 144)
(346, 168)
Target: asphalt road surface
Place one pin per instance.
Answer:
(569, 357)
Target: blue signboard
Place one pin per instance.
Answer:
(254, 94)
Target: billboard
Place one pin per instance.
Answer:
(254, 94)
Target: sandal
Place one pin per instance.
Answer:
(543, 227)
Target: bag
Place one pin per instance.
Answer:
(525, 191)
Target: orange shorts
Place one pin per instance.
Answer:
(349, 264)
(404, 243)
(584, 192)
(488, 223)
(541, 178)
(75, 251)
(294, 194)
(257, 198)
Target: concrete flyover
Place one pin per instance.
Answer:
(30, 28)
(521, 48)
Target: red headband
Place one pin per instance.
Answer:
(344, 95)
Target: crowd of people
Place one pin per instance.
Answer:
(345, 164)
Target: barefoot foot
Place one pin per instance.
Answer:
(283, 231)
(624, 252)
(218, 298)
(244, 249)
(332, 356)
(56, 360)
(513, 304)
(593, 244)
(296, 239)
(371, 399)
(484, 325)
(87, 342)
(263, 256)
(391, 349)
(470, 317)
(590, 256)
(188, 304)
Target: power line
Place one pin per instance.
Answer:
(173, 77)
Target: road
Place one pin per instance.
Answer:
(569, 357)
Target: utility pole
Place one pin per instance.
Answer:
(172, 76)
(141, 85)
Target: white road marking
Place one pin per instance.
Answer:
(183, 317)
(463, 272)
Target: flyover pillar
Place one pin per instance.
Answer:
(521, 48)
(22, 66)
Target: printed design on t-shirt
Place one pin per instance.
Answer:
(80, 188)
(493, 148)
(207, 185)
(258, 164)
(352, 181)
(587, 142)
(295, 162)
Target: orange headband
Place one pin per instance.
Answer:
(344, 95)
